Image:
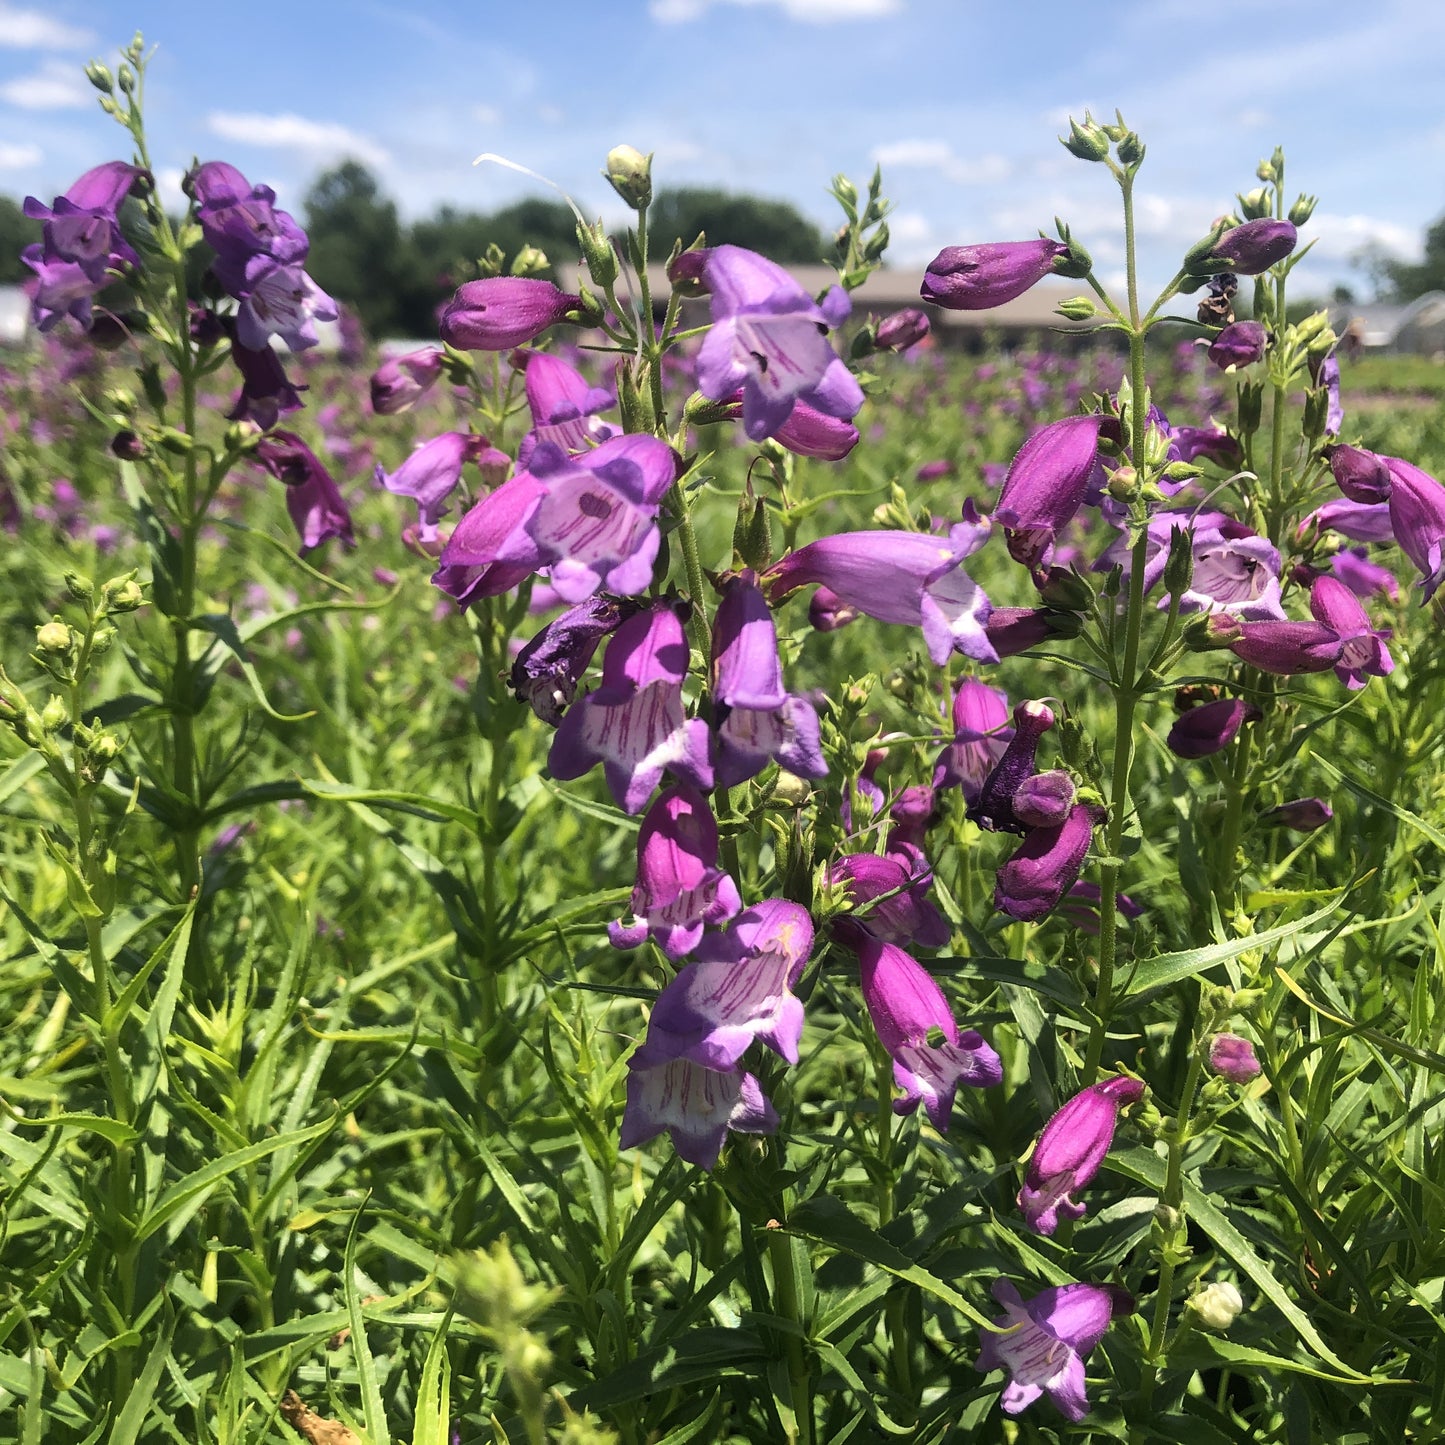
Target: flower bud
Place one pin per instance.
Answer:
(54, 638)
(1362, 476)
(687, 272)
(1179, 566)
(1087, 141)
(1044, 800)
(501, 312)
(902, 329)
(629, 173)
(1077, 308)
(1303, 815)
(54, 715)
(125, 80)
(1232, 1057)
(1255, 204)
(597, 252)
(99, 76)
(80, 588)
(827, 612)
(975, 278)
(1303, 209)
(1252, 248)
(1131, 151)
(790, 791)
(122, 594)
(1217, 1305)
(1241, 343)
(1203, 731)
(127, 446)
(1065, 589)
(528, 261)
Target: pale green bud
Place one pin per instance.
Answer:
(1255, 205)
(1088, 141)
(528, 261)
(1217, 1305)
(126, 80)
(1077, 308)
(80, 588)
(629, 173)
(123, 594)
(53, 637)
(1303, 209)
(597, 252)
(99, 76)
(54, 715)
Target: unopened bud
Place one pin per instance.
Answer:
(127, 446)
(790, 790)
(1087, 141)
(1076, 263)
(1059, 587)
(100, 77)
(123, 594)
(1255, 204)
(1217, 1305)
(126, 80)
(1077, 308)
(629, 173)
(597, 252)
(54, 715)
(105, 748)
(80, 588)
(1131, 151)
(53, 637)
(1179, 568)
(529, 261)
(1123, 483)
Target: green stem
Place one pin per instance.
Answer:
(788, 1303)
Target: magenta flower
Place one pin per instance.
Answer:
(1012, 630)
(737, 989)
(1359, 521)
(980, 735)
(769, 338)
(1286, 648)
(500, 312)
(431, 474)
(401, 381)
(1070, 1150)
(312, 497)
(904, 915)
(902, 329)
(1417, 519)
(1365, 654)
(1210, 728)
(1362, 476)
(974, 278)
(827, 612)
(1241, 343)
(633, 724)
(994, 807)
(1362, 576)
(809, 432)
(564, 406)
(1254, 247)
(1233, 1058)
(1046, 865)
(679, 885)
(1045, 485)
(696, 1106)
(757, 720)
(547, 670)
(906, 1006)
(912, 578)
(1047, 1340)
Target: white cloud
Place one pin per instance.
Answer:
(487, 114)
(938, 155)
(912, 239)
(295, 132)
(18, 157)
(34, 30)
(1342, 238)
(57, 85)
(168, 188)
(808, 12)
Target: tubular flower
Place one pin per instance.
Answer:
(312, 497)
(980, 736)
(994, 808)
(401, 381)
(633, 724)
(1365, 654)
(1210, 728)
(1285, 648)
(911, 578)
(902, 329)
(1254, 247)
(1302, 815)
(1417, 519)
(1241, 343)
(547, 670)
(1045, 485)
(240, 222)
(679, 885)
(82, 227)
(906, 1007)
(500, 312)
(266, 391)
(1233, 1058)
(564, 406)
(696, 1106)
(1362, 476)
(1046, 865)
(904, 916)
(1070, 1150)
(974, 278)
(431, 474)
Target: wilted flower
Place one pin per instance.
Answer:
(547, 670)
(974, 278)
(1233, 1058)
(500, 312)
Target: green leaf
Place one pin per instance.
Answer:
(142, 1397)
(434, 1395)
(418, 804)
(1429, 830)
(20, 772)
(176, 943)
(372, 1410)
(223, 629)
(1201, 1352)
(1041, 978)
(111, 1130)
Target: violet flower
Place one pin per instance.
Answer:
(267, 393)
(1359, 521)
(1241, 343)
(1045, 485)
(911, 578)
(679, 887)
(980, 735)
(1070, 1150)
(431, 474)
(500, 312)
(757, 720)
(737, 989)
(1365, 654)
(564, 406)
(1046, 865)
(1365, 578)
(280, 300)
(547, 670)
(906, 1006)
(401, 381)
(312, 497)
(1210, 728)
(905, 915)
(1045, 799)
(769, 337)
(1254, 247)
(1233, 1058)
(633, 724)
(994, 808)
(1362, 476)
(1046, 1342)
(902, 329)
(82, 227)
(1417, 519)
(1286, 648)
(240, 222)
(1012, 630)
(491, 551)
(827, 612)
(1326, 373)
(696, 1106)
(974, 278)
(1301, 815)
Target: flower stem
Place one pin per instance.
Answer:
(788, 1303)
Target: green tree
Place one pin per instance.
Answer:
(1405, 280)
(17, 231)
(776, 229)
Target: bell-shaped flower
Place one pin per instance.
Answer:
(312, 497)
(994, 808)
(1417, 519)
(401, 381)
(564, 406)
(1359, 521)
(757, 720)
(1070, 1150)
(500, 312)
(545, 673)
(827, 612)
(241, 223)
(738, 988)
(980, 735)
(892, 892)
(1364, 577)
(679, 885)
(907, 1008)
(974, 278)
(1362, 476)
(1046, 865)
(491, 550)
(697, 1106)
(1210, 728)
(281, 300)
(1046, 1340)
(633, 724)
(82, 226)
(1045, 485)
(769, 338)
(431, 474)
(61, 289)
(1364, 654)
(1241, 343)
(809, 432)
(913, 578)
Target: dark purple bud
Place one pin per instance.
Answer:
(1284, 648)
(547, 670)
(1044, 800)
(1254, 247)
(994, 809)
(1013, 630)
(905, 915)
(913, 812)
(974, 278)
(935, 471)
(1302, 815)
(1240, 344)
(1362, 476)
(501, 312)
(1046, 865)
(127, 446)
(903, 329)
(827, 612)
(1233, 1058)
(1210, 728)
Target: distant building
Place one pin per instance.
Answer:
(14, 316)
(1416, 328)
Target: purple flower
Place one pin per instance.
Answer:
(240, 223)
(1045, 485)
(500, 312)
(809, 432)
(980, 736)
(82, 226)
(564, 406)
(1045, 799)
(1417, 518)
(547, 670)
(1046, 865)
(1302, 815)
(770, 338)
(1047, 1339)
(1241, 343)
(906, 1006)
(935, 471)
(431, 474)
(1186, 443)
(902, 329)
(62, 288)
(1254, 247)
(1327, 374)
(401, 381)
(1070, 1150)
(827, 612)
(633, 723)
(1286, 648)
(1362, 576)
(912, 578)
(1081, 906)
(1362, 476)
(280, 300)
(994, 807)
(757, 720)
(1012, 630)
(266, 391)
(679, 885)
(696, 1106)
(491, 551)
(974, 278)
(1359, 521)
(312, 497)
(1233, 1058)
(1365, 654)
(739, 988)
(901, 881)
(1210, 728)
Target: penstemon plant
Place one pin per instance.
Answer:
(790, 1005)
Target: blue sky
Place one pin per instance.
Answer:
(960, 101)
